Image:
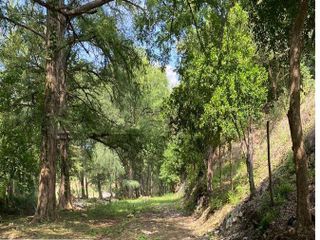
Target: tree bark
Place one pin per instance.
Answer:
(99, 187)
(46, 204)
(212, 155)
(273, 78)
(269, 166)
(65, 201)
(231, 166)
(220, 167)
(10, 191)
(299, 154)
(87, 183)
(83, 192)
(130, 176)
(249, 160)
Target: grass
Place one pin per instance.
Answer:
(134, 206)
(98, 220)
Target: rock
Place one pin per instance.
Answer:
(245, 238)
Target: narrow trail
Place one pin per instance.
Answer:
(167, 224)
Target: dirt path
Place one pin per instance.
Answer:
(162, 221)
(168, 224)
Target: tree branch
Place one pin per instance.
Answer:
(135, 5)
(48, 6)
(22, 25)
(85, 8)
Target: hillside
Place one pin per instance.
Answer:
(241, 218)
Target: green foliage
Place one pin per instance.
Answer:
(308, 82)
(267, 218)
(172, 165)
(216, 203)
(236, 196)
(125, 207)
(132, 184)
(281, 192)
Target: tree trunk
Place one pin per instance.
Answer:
(87, 183)
(10, 191)
(249, 160)
(211, 157)
(299, 155)
(65, 201)
(220, 167)
(231, 166)
(147, 181)
(99, 188)
(83, 192)
(273, 78)
(130, 176)
(48, 154)
(269, 166)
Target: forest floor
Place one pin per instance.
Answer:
(153, 218)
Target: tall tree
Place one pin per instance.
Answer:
(299, 154)
(290, 35)
(59, 19)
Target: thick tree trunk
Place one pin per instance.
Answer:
(299, 154)
(65, 201)
(249, 160)
(54, 39)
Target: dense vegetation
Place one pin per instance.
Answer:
(86, 109)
